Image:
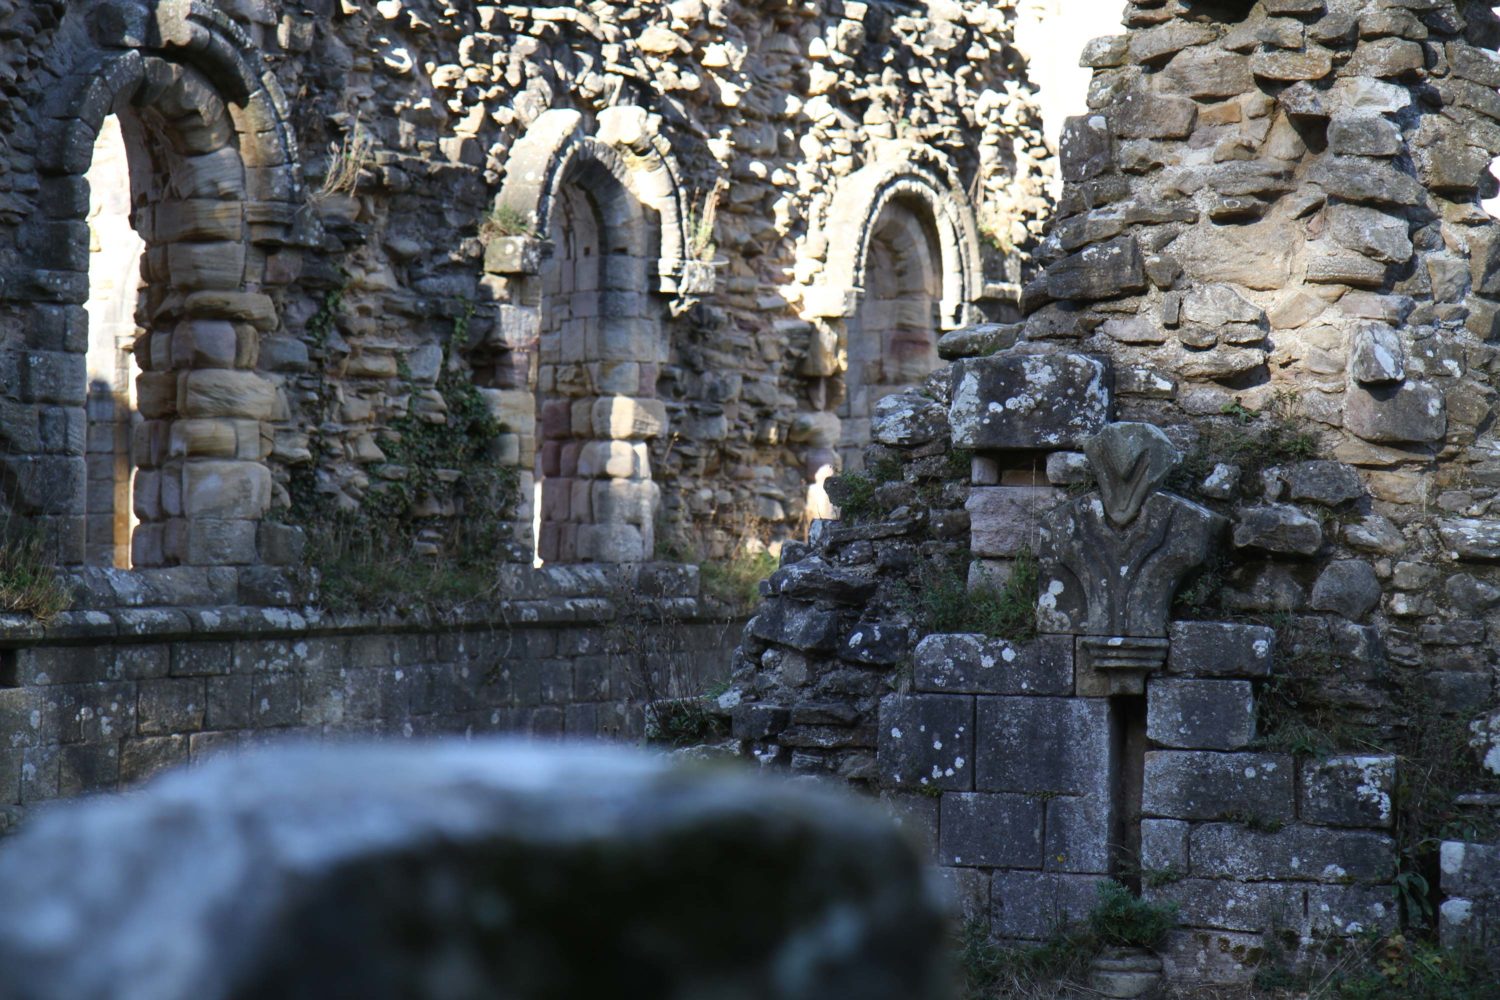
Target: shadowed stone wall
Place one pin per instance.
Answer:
(1271, 246)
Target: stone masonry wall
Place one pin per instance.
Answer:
(101, 699)
(1270, 248)
(342, 201)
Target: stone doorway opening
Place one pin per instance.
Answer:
(891, 340)
(114, 272)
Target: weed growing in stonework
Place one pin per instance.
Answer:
(700, 224)
(1252, 441)
(29, 584)
(351, 156)
(1382, 968)
(735, 582)
(503, 221)
(991, 971)
(440, 489)
(945, 602)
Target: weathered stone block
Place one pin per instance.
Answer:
(1029, 401)
(1032, 906)
(1348, 587)
(876, 644)
(1279, 528)
(1181, 784)
(1471, 870)
(795, 624)
(1231, 906)
(174, 705)
(990, 830)
(973, 664)
(1209, 956)
(1058, 745)
(1350, 910)
(1293, 853)
(1164, 844)
(1200, 714)
(1412, 411)
(1101, 270)
(926, 741)
(1078, 834)
(1470, 539)
(906, 419)
(1004, 521)
(1347, 792)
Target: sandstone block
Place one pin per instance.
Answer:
(1099, 271)
(1412, 411)
(224, 393)
(226, 489)
(1278, 528)
(614, 459)
(1058, 745)
(1348, 587)
(990, 830)
(1032, 906)
(1293, 853)
(793, 623)
(1005, 520)
(906, 419)
(620, 417)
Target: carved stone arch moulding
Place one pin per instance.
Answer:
(217, 189)
(900, 171)
(626, 149)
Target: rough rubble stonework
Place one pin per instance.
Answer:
(786, 204)
(1270, 241)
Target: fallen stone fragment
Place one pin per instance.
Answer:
(444, 870)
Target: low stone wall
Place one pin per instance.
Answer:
(102, 698)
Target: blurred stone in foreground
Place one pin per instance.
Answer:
(460, 872)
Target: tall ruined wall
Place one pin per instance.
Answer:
(1249, 662)
(340, 242)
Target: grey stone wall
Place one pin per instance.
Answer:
(101, 699)
(1271, 246)
(326, 189)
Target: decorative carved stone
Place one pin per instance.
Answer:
(1112, 561)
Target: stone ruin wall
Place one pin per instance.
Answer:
(1271, 246)
(291, 322)
(343, 211)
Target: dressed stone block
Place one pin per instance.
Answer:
(1293, 853)
(1195, 784)
(1221, 649)
(1029, 401)
(1348, 791)
(989, 830)
(1200, 714)
(1032, 906)
(1057, 745)
(974, 664)
(926, 741)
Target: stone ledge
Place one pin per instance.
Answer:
(159, 624)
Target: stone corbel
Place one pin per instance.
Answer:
(1111, 561)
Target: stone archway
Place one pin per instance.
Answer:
(891, 340)
(608, 235)
(900, 266)
(214, 190)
